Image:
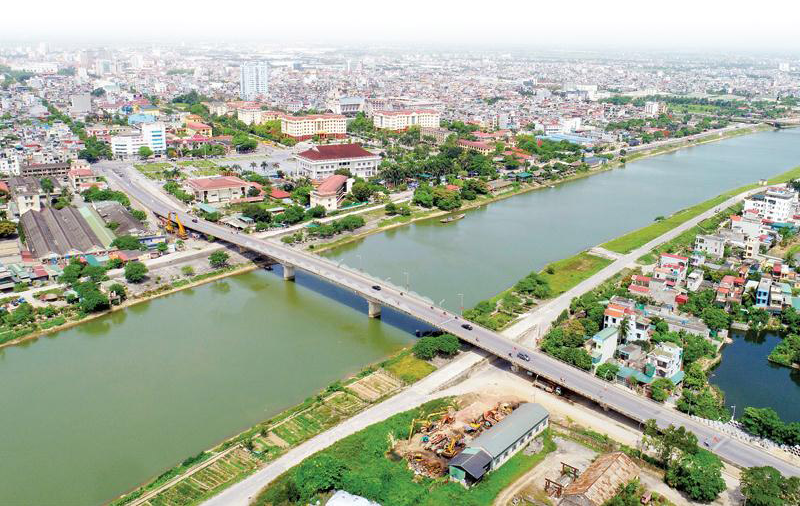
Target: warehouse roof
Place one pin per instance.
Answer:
(497, 439)
(58, 232)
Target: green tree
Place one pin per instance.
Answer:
(660, 389)
(766, 486)
(128, 242)
(119, 290)
(92, 300)
(145, 152)
(715, 318)
(135, 272)
(698, 474)
(319, 473)
(361, 191)
(8, 228)
(607, 371)
(47, 185)
(218, 259)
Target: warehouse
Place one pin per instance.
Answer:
(54, 235)
(495, 446)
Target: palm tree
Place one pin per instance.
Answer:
(253, 165)
(624, 329)
(264, 165)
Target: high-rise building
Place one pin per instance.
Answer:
(253, 80)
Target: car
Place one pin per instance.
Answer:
(194, 220)
(466, 326)
(376, 287)
(524, 356)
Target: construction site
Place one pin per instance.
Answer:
(439, 437)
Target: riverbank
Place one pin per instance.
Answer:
(169, 289)
(400, 221)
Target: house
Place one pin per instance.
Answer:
(600, 481)
(667, 358)
(280, 195)
(330, 193)
(496, 445)
(28, 194)
(477, 146)
(713, 245)
(197, 128)
(671, 268)
(320, 162)
(603, 345)
(81, 179)
(217, 188)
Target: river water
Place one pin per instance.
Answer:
(90, 412)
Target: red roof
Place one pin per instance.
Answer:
(217, 182)
(197, 126)
(279, 194)
(637, 288)
(677, 257)
(335, 152)
(331, 184)
(452, 187)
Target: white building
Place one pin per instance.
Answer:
(666, 358)
(403, 119)
(321, 162)
(305, 127)
(776, 204)
(651, 109)
(330, 193)
(152, 135)
(603, 345)
(9, 165)
(253, 80)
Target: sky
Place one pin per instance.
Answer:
(674, 24)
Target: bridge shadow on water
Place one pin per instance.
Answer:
(344, 296)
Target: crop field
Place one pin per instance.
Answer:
(312, 421)
(153, 170)
(376, 385)
(200, 164)
(193, 488)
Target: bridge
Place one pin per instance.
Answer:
(539, 364)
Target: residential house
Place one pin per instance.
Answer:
(330, 193)
(603, 345)
(217, 188)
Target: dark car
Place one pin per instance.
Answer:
(524, 356)
(376, 287)
(466, 326)
(194, 220)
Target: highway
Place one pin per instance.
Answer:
(623, 401)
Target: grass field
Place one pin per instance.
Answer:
(571, 271)
(200, 164)
(407, 367)
(367, 471)
(321, 416)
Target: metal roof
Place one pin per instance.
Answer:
(497, 439)
(474, 461)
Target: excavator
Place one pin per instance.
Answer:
(170, 228)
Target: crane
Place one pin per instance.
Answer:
(173, 217)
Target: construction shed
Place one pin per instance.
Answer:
(495, 446)
(53, 235)
(601, 480)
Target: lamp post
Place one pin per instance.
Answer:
(462, 303)
(733, 417)
(408, 281)
(361, 262)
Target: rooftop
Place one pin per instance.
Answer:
(335, 152)
(216, 182)
(497, 439)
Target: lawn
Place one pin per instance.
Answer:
(407, 367)
(359, 464)
(570, 271)
(638, 238)
(200, 164)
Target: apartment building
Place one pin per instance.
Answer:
(52, 170)
(405, 118)
(775, 204)
(253, 80)
(152, 135)
(321, 162)
(323, 125)
(330, 193)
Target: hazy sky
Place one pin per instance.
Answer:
(680, 24)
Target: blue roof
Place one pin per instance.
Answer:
(206, 207)
(604, 334)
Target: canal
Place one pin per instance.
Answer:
(90, 412)
(748, 379)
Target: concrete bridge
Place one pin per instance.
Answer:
(536, 363)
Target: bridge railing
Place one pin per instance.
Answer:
(378, 281)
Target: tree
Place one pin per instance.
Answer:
(361, 191)
(128, 242)
(135, 272)
(7, 228)
(698, 474)
(766, 486)
(162, 247)
(145, 152)
(119, 290)
(763, 422)
(47, 185)
(319, 474)
(715, 318)
(92, 300)
(218, 259)
(660, 389)
(607, 371)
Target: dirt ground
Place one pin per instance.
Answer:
(494, 381)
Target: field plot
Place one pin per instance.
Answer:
(153, 170)
(197, 486)
(376, 385)
(312, 421)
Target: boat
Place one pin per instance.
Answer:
(452, 218)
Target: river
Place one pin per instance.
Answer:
(90, 412)
(496, 245)
(749, 380)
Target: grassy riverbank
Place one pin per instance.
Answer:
(640, 237)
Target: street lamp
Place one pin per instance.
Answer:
(734, 412)
(408, 281)
(361, 262)
(441, 303)
(462, 303)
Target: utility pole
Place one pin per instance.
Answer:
(462, 303)
(408, 282)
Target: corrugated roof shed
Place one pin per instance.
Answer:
(58, 232)
(600, 481)
(497, 439)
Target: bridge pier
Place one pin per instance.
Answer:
(373, 309)
(288, 272)
(514, 368)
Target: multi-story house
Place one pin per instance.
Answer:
(776, 205)
(405, 118)
(322, 125)
(322, 161)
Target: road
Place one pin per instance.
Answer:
(587, 385)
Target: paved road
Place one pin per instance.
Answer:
(587, 385)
